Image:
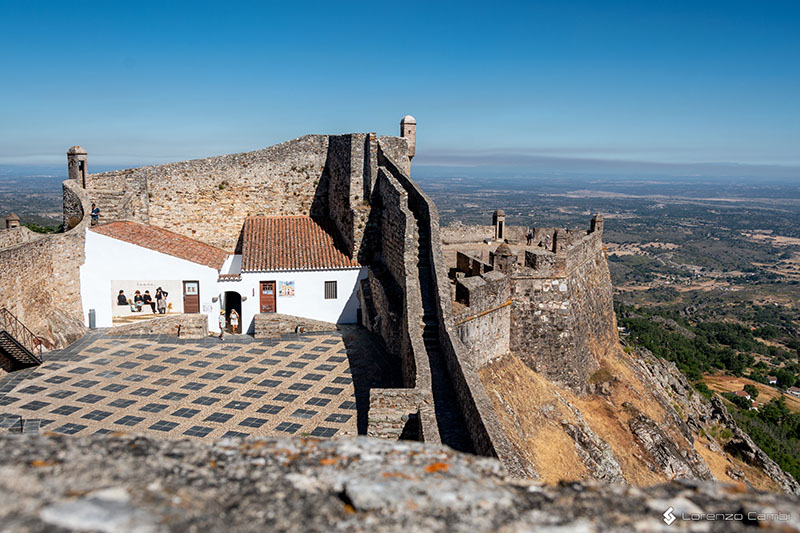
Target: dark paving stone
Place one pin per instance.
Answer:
(218, 417)
(174, 396)
(223, 390)
(102, 361)
(300, 386)
(227, 367)
(153, 407)
(333, 391)
(325, 368)
(235, 434)
(339, 418)
(35, 405)
(240, 379)
(254, 393)
(128, 365)
(294, 346)
(310, 356)
(200, 363)
(107, 374)
(253, 422)
(90, 398)
(155, 368)
(320, 349)
(297, 364)
(147, 357)
(140, 346)
(194, 385)
(165, 348)
(31, 389)
(142, 391)
(65, 410)
(8, 400)
(313, 377)
(198, 431)
(336, 359)
(238, 405)
(269, 362)
(135, 377)
(174, 360)
(257, 351)
(288, 427)
(122, 353)
(270, 409)
(70, 428)
(122, 403)
(85, 383)
(96, 349)
(185, 412)
(183, 372)
(343, 380)
(211, 376)
(283, 397)
(114, 387)
(303, 413)
(321, 431)
(164, 382)
(189, 352)
(322, 402)
(97, 414)
(206, 400)
(61, 394)
(164, 425)
(129, 420)
(282, 354)
(255, 370)
(348, 405)
(243, 359)
(331, 341)
(80, 370)
(284, 374)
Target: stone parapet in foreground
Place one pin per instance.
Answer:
(126, 483)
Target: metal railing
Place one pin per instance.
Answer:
(21, 334)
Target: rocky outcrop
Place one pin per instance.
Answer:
(57, 483)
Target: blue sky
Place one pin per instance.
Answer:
(668, 82)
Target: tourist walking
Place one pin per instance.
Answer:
(530, 236)
(234, 318)
(222, 325)
(95, 214)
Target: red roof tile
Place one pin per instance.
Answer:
(164, 241)
(291, 243)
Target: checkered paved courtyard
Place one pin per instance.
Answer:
(173, 388)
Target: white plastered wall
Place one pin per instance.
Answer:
(110, 259)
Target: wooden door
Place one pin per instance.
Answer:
(191, 296)
(267, 291)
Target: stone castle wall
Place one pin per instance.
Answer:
(13, 236)
(560, 326)
(484, 323)
(40, 282)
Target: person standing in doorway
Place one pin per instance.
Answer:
(222, 325)
(234, 319)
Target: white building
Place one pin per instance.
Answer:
(289, 265)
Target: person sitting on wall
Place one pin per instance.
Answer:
(148, 300)
(121, 298)
(136, 306)
(95, 214)
(161, 301)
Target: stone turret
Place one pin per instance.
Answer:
(76, 164)
(408, 130)
(12, 221)
(596, 224)
(503, 259)
(499, 223)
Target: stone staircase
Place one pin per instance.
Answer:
(452, 427)
(109, 202)
(19, 347)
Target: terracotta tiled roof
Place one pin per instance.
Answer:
(164, 241)
(291, 243)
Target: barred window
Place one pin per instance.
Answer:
(330, 290)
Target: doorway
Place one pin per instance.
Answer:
(191, 296)
(233, 302)
(267, 292)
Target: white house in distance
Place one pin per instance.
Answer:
(289, 265)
